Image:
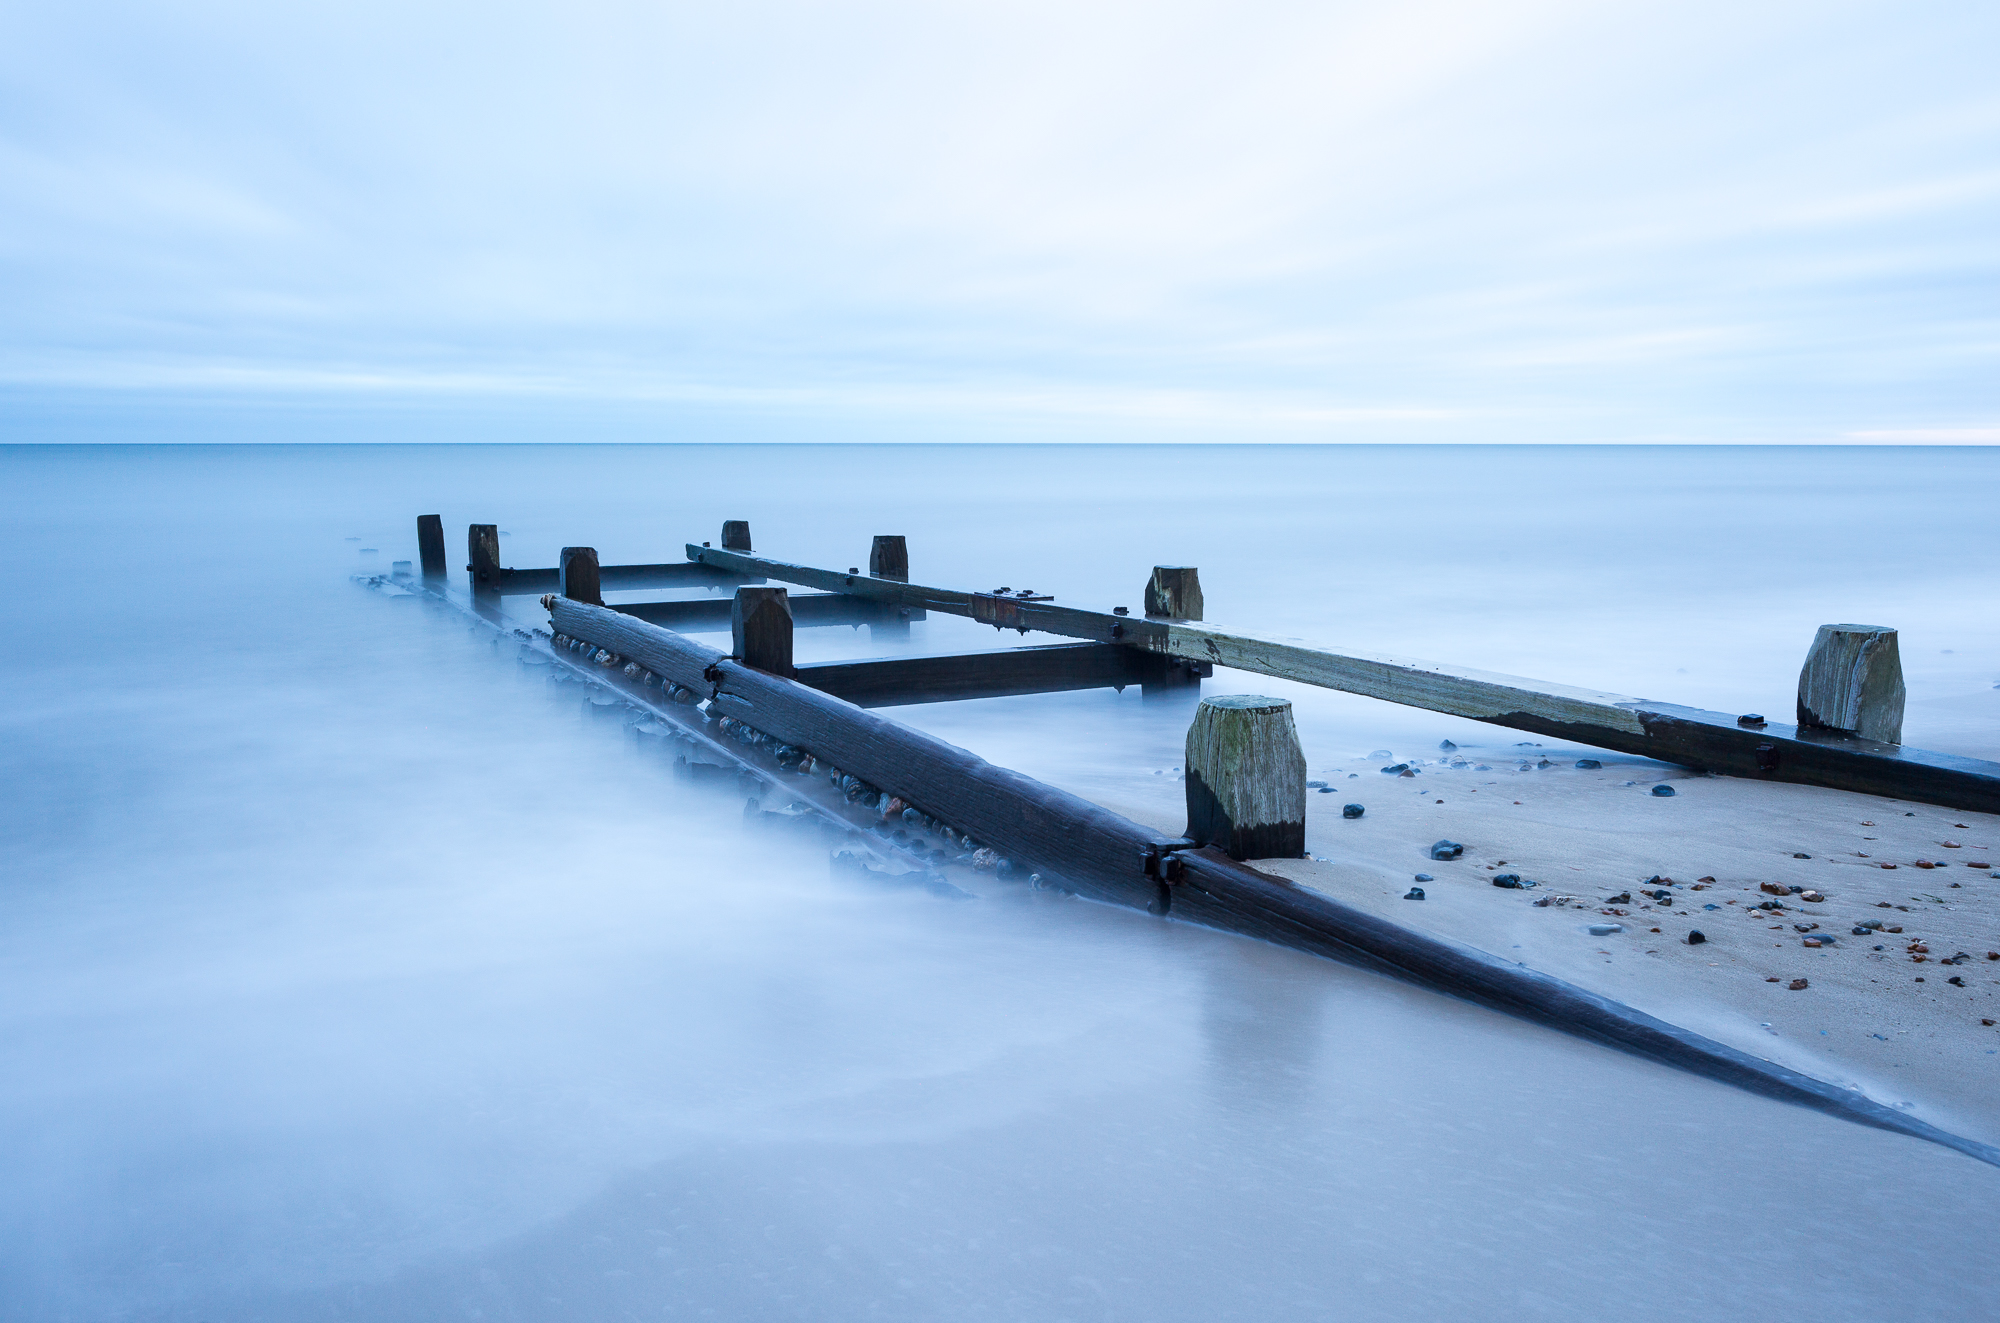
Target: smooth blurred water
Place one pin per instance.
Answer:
(347, 975)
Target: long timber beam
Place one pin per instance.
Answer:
(525, 583)
(1099, 854)
(808, 610)
(1046, 669)
(1669, 732)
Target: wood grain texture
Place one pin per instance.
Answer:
(1246, 778)
(1174, 592)
(1100, 854)
(577, 575)
(1853, 681)
(760, 628)
(430, 546)
(889, 557)
(1691, 737)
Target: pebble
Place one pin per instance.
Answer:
(1396, 768)
(1797, 985)
(1663, 791)
(1414, 893)
(1425, 877)
(1697, 937)
(1512, 881)
(1797, 855)
(1314, 785)
(1327, 790)
(1446, 745)
(1589, 764)
(1711, 907)
(1446, 849)
(1622, 898)
(1352, 810)
(1956, 981)
(1605, 929)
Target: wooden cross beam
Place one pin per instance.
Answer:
(1669, 732)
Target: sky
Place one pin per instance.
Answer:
(1435, 221)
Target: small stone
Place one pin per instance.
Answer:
(1396, 769)
(1797, 985)
(1774, 888)
(1446, 745)
(1812, 942)
(1812, 897)
(1771, 980)
(1956, 981)
(1663, 791)
(1511, 881)
(1859, 931)
(1705, 879)
(1327, 790)
(1696, 937)
(1315, 785)
(1589, 764)
(1414, 893)
(1425, 877)
(1622, 898)
(1352, 810)
(1986, 1022)
(1605, 929)
(1801, 856)
(1447, 850)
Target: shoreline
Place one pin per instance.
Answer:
(1887, 1022)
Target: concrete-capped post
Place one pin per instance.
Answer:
(1174, 592)
(889, 558)
(430, 545)
(760, 628)
(1853, 681)
(483, 555)
(577, 575)
(1246, 778)
(736, 535)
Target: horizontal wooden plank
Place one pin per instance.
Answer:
(1103, 855)
(809, 610)
(521, 583)
(1669, 732)
(1046, 669)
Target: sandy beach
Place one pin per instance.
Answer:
(1879, 1011)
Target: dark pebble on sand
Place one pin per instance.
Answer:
(1589, 764)
(1622, 898)
(1352, 810)
(1447, 850)
(1315, 785)
(1395, 768)
(1446, 745)
(1697, 937)
(1414, 893)
(1511, 881)
(1796, 855)
(1663, 790)
(1326, 790)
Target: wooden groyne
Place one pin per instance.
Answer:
(804, 721)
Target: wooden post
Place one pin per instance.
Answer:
(736, 535)
(889, 558)
(483, 551)
(577, 575)
(1174, 592)
(1246, 778)
(430, 545)
(760, 627)
(1853, 681)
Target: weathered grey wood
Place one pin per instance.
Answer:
(430, 545)
(760, 628)
(1246, 778)
(1853, 682)
(889, 558)
(1691, 737)
(736, 535)
(1046, 669)
(1174, 592)
(1099, 854)
(809, 611)
(535, 582)
(483, 555)
(576, 575)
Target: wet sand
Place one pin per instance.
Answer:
(1886, 1021)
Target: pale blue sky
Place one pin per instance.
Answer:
(1425, 221)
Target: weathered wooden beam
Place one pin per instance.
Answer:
(889, 557)
(577, 575)
(483, 556)
(430, 545)
(1046, 669)
(1100, 854)
(1174, 592)
(760, 628)
(535, 582)
(1852, 682)
(1691, 737)
(809, 611)
(1246, 778)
